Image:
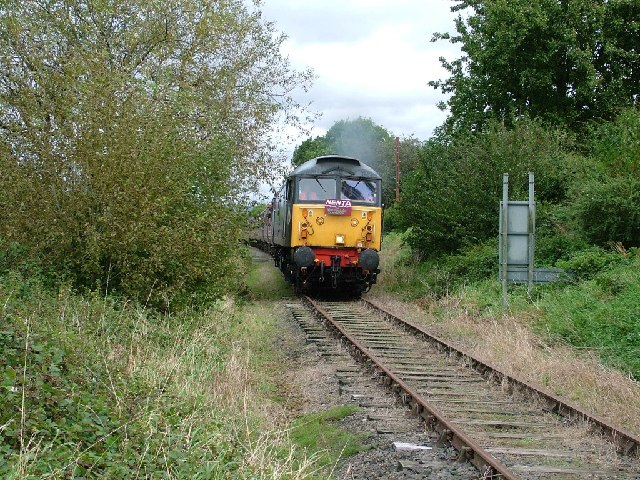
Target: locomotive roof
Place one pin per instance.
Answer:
(335, 164)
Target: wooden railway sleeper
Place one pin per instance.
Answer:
(625, 442)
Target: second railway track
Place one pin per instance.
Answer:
(506, 432)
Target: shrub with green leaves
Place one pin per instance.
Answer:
(95, 388)
(609, 210)
(452, 200)
(587, 263)
(607, 205)
(600, 313)
(125, 152)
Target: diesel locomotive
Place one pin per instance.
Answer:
(324, 226)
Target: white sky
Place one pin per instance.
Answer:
(372, 58)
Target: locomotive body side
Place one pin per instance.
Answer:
(326, 225)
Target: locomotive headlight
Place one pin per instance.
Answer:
(339, 239)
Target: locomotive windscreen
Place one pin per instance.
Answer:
(359, 191)
(316, 188)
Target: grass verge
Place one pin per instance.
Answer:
(319, 433)
(93, 387)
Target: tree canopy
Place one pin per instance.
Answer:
(128, 130)
(563, 61)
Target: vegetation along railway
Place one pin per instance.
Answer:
(505, 427)
(323, 229)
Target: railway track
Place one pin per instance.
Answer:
(507, 428)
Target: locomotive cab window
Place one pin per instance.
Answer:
(316, 189)
(360, 191)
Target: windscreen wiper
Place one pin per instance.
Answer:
(316, 179)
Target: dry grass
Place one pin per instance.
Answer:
(193, 369)
(508, 343)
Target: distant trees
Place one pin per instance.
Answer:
(565, 62)
(310, 148)
(365, 140)
(128, 130)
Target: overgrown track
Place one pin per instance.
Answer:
(505, 427)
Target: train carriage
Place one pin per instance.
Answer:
(324, 227)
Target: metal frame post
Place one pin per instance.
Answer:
(397, 169)
(505, 236)
(532, 223)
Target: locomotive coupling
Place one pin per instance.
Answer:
(369, 259)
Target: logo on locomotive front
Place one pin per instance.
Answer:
(335, 206)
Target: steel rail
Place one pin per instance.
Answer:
(626, 442)
(487, 464)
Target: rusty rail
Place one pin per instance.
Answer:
(487, 464)
(626, 442)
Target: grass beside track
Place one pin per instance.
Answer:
(318, 433)
(317, 436)
(580, 339)
(92, 387)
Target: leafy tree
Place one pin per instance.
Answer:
(365, 140)
(128, 130)
(451, 200)
(610, 211)
(607, 206)
(310, 148)
(566, 62)
(616, 145)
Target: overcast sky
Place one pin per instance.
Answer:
(372, 58)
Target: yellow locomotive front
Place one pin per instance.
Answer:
(328, 225)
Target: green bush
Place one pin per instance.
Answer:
(588, 263)
(475, 263)
(557, 235)
(609, 211)
(451, 201)
(413, 277)
(391, 219)
(616, 145)
(601, 313)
